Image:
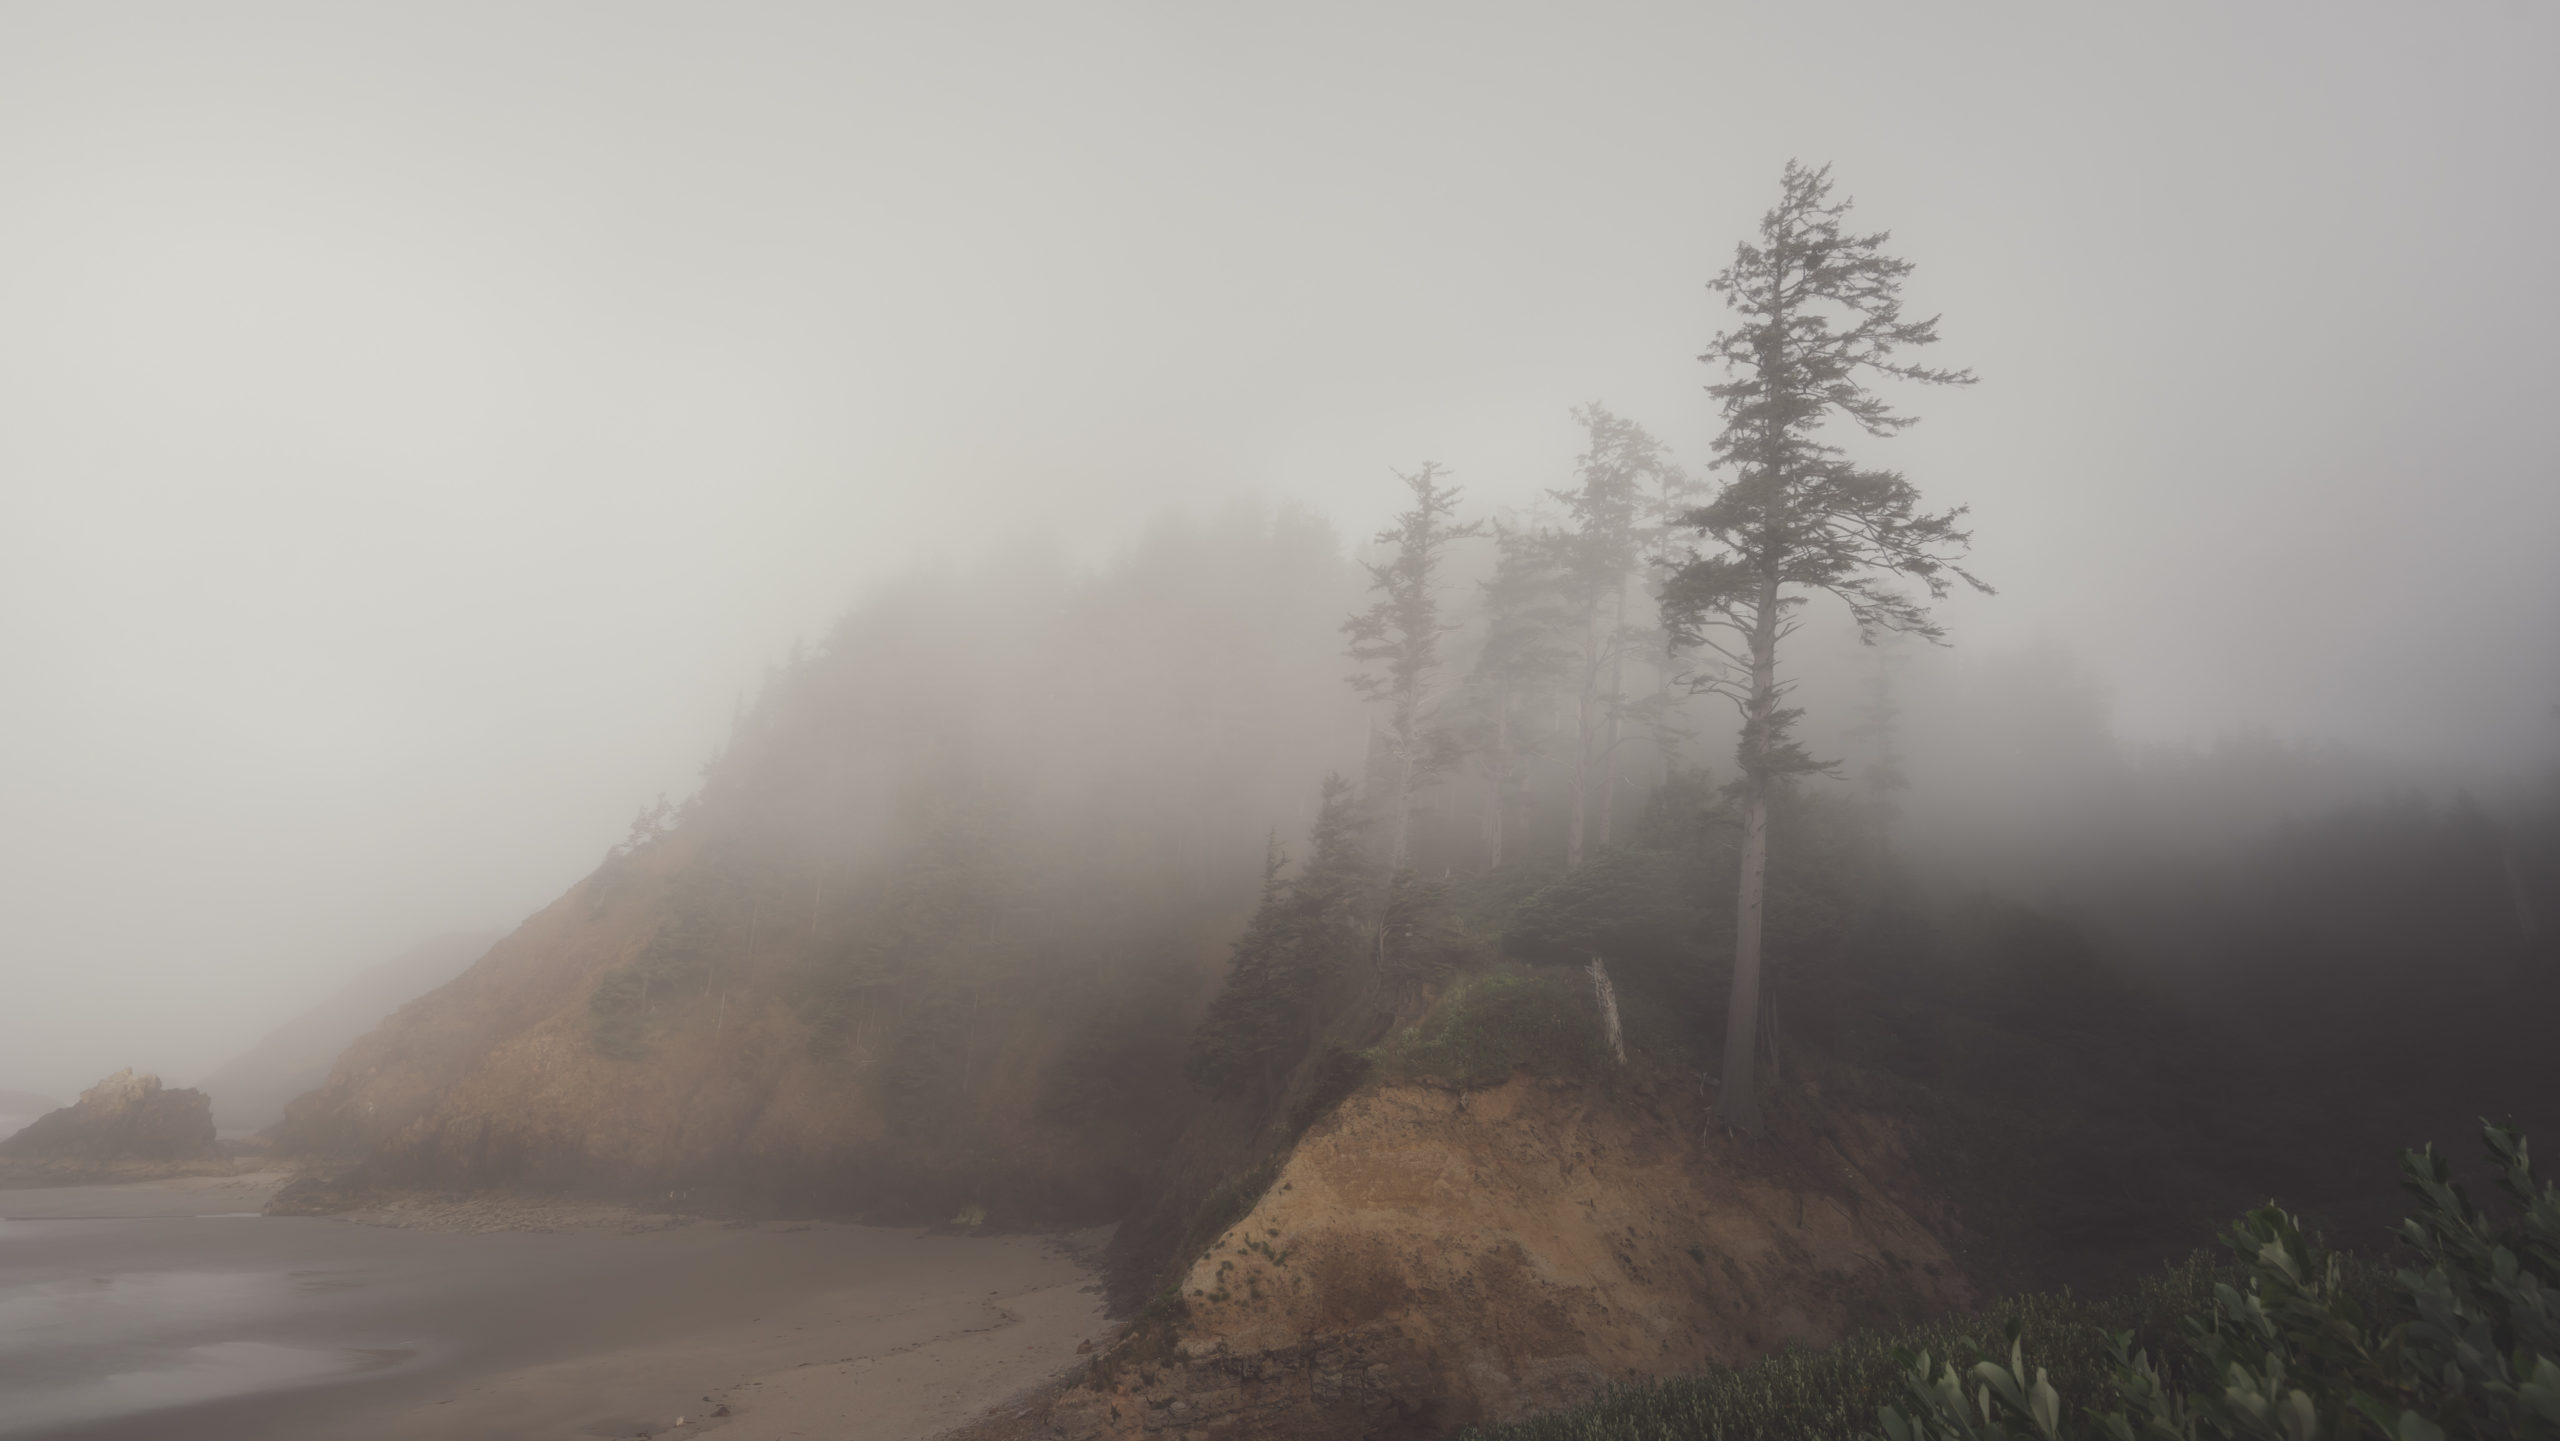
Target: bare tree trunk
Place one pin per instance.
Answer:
(1578, 781)
(1493, 790)
(1404, 809)
(2528, 925)
(1607, 995)
(1777, 1042)
(1666, 740)
(1740, 1105)
(1609, 783)
(1582, 737)
(1615, 700)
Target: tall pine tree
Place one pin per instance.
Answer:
(1297, 963)
(1524, 654)
(1620, 469)
(1819, 317)
(1398, 639)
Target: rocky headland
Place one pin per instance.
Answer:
(1379, 1170)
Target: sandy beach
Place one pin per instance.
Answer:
(161, 1308)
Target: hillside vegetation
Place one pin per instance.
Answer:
(1550, 1047)
(2283, 1338)
(933, 931)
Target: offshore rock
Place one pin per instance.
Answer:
(126, 1127)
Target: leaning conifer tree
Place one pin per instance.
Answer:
(1820, 317)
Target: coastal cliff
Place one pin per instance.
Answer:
(972, 926)
(1429, 1258)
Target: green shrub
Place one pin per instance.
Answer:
(1492, 1024)
(2291, 1342)
(2466, 1344)
(1833, 1394)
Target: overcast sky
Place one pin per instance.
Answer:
(418, 422)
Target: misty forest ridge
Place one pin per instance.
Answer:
(1669, 723)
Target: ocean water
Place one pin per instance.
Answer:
(244, 1328)
(111, 1319)
(143, 1313)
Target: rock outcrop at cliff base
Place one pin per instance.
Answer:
(1427, 1259)
(126, 1127)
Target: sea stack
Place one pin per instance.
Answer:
(124, 1118)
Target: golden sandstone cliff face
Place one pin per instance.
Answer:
(1429, 1258)
(464, 1081)
(496, 1080)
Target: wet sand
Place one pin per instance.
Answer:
(157, 1309)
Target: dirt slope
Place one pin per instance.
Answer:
(1428, 1258)
(394, 1094)
(493, 1080)
(496, 1080)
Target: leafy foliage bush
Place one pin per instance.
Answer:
(2462, 1344)
(1832, 1395)
(1494, 1023)
(1634, 901)
(2290, 1342)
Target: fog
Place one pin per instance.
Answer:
(420, 429)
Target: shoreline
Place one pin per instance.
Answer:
(549, 1319)
(228, 1193)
